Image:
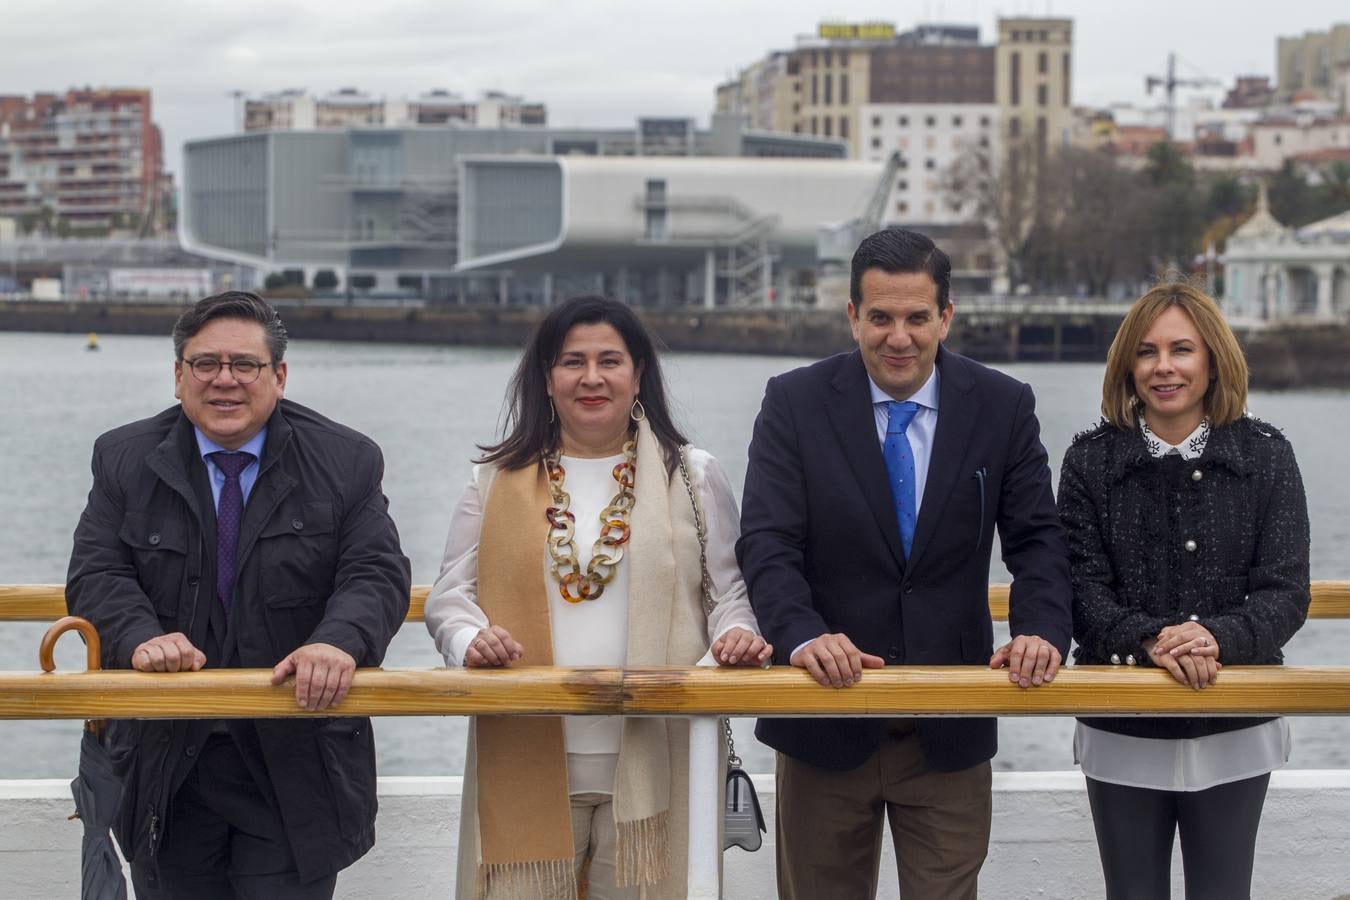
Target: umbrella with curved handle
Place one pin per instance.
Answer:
(97, 787)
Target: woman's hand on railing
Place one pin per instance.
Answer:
(739, 647)
(1187, 638)
(492, 647)
(1192, 670)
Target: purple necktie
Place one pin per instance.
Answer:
(229, 513)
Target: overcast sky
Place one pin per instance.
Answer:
(593, 62)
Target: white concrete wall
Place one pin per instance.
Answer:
(1043, 845)
(927, 151)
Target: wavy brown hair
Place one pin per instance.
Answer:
(1226, 398)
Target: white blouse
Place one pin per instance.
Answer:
(590, 633)
(1181, 764)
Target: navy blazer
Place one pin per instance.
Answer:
(820, 544)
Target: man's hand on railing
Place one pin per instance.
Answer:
(492, 647)
(323, 675)
(167, 653)
(834, 661)
(741, 647)
(1031, 660)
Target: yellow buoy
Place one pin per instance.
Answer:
(92, 343)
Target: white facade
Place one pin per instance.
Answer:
(607, 205)
(284, 111)
(713, 231)
(929, 137)
(1275, 141)
(1278, 274)
(298, 110)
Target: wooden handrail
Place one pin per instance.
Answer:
(47, 602)
(781, 691)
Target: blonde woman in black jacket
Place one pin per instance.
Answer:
(1188, 536)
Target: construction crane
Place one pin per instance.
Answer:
(835, 242)
(1170, 83)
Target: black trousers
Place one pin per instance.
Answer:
(225, 839)
(1136, 826)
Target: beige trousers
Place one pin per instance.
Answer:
(595, 840)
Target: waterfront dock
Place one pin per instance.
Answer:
(991, 330)
(1042, 845)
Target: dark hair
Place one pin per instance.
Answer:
(895, 250)
(232, 305)
(529, 433)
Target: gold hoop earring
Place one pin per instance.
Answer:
(552, 413)
(638, 413)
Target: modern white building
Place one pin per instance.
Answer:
(930, 138)
(658, 230)
(378, 210)
(1279, 274)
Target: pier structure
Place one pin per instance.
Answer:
(991, 330)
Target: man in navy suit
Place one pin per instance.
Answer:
(875, 481)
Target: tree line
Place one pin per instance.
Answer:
(1085, 221)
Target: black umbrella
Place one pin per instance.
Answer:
(97, 787)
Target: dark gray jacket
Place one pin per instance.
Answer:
(1153, 542)
(318, 562)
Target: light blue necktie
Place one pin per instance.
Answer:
(900, 466)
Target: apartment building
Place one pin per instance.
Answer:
(1034, 80)
(930, 138)
(300, 110)
(84, 162)
(1308, 64)
(820, 86)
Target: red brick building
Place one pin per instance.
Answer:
(83, 163)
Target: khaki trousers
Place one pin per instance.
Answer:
(829, 824)
(595, 840)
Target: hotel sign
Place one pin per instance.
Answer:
(857, 31)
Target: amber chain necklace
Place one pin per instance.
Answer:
(574, 583)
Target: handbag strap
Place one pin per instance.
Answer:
(709, 604)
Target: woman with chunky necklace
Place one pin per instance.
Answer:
(577, 543)
(1188, 539)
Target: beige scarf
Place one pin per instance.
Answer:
(524, 820)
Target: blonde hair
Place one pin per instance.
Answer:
(1226, 399)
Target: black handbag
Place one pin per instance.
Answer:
(742, 819)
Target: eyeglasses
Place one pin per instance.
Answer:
(206, 368)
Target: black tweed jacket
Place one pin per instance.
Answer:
(1153, 542)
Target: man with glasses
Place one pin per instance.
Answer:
(242, 530)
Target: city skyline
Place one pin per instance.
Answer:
(595, 63)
